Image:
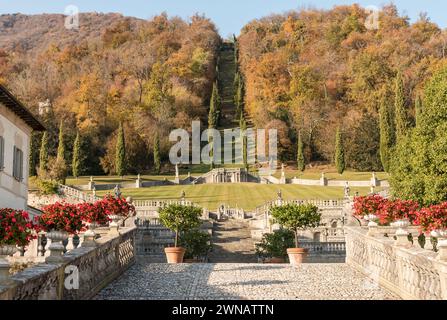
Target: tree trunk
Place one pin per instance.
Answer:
(296, 238)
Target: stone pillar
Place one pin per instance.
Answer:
(138, 182)
(177, 177)
(283, 175)
(323, 180)
(91, 184)
(374, 180)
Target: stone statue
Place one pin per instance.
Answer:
(176, 171)
(183, 195)
(117, 191)
(279, 195)
(94, 191)
(347, 190)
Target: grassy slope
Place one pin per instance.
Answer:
(247, 196)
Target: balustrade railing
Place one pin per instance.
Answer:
(407, 270)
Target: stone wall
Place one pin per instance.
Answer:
(97, 268)
(411, 272)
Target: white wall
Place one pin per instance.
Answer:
(14, 194)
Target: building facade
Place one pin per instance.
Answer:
(16, 126)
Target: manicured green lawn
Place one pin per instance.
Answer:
(247, 196)
(310, 174)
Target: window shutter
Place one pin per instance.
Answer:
(21, 165)
(14, 163)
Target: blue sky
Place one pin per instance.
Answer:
(229, 15)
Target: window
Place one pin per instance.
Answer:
(17, 171)
(2, 153)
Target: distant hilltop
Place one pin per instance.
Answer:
(21, 32)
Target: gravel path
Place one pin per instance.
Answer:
(145, 281)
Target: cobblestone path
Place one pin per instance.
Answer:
(232, 242)
(145, 281)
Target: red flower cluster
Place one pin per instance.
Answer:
(93, 212)
(364, 206)
(116, 206)
(72, 218)
(394, 210)
(432, 218)
(16, 228)
(62, 217)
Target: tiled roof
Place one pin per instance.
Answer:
(19, 109)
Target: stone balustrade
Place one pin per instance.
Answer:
(94, 268)
(409, 271)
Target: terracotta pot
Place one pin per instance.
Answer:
(175, 255)
(297, 255)
(275, 260)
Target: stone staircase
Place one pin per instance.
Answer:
(232, 242)
(227, 67)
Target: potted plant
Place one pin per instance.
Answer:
(433, 219)
(60, 220)
(196, 244)
(116, 209)
(16, 229)
(295, 218)
(368, 208)
(179, 218)
(273, 246)
(93, 216)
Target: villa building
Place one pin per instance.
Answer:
(16, 126)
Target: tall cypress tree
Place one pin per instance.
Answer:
(157, 160)
(61, 145)
(76, 165)
(301, 162)
(387, 133)
(120, 156)
(240, 97)
(214, 113)
(43, 156)
(401, 117)
(244, 139)
(32, 157)
(340, 163)
(418, 109)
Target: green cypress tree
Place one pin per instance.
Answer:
(61, 145)
(157, 160)
(401, 116)
(418, 109)
(387, 133)
(301, 162)
(77, 157)
(240, 97)
(120, 156)
(237, 79)
(43, 156)
(243, 126)
(214, 113)
(340, 163)
(32, 157)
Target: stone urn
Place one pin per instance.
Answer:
(6, 250)
(90, 235)
(297, 255)
(56, 247)
(402, 232)
(175, 255)
(442, 244)
(114, 225)
(372, 224)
